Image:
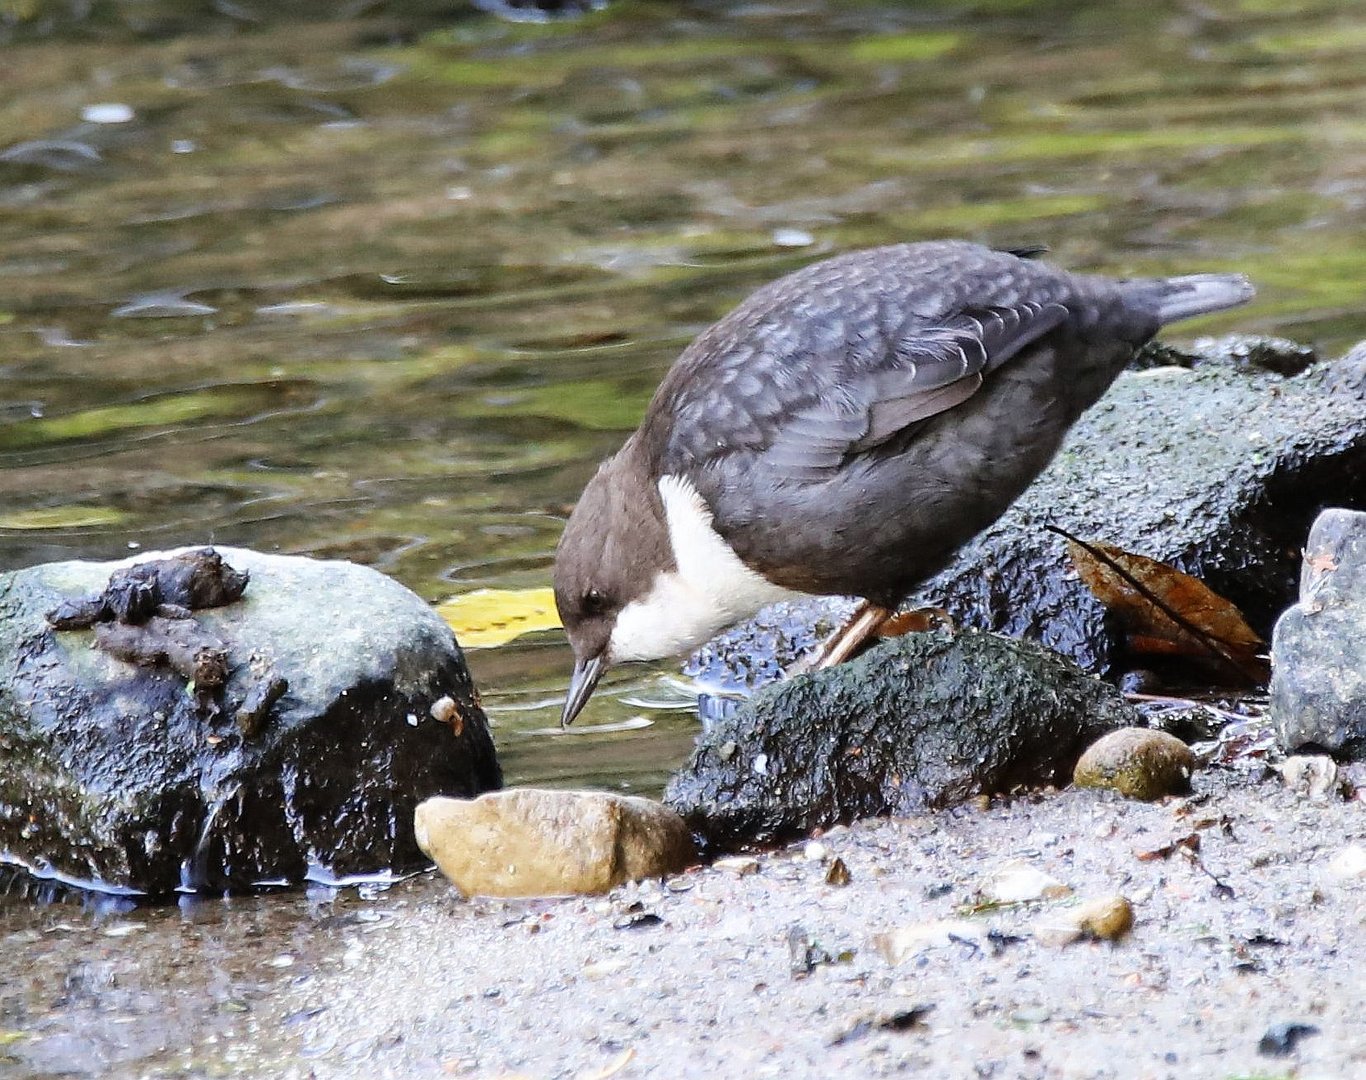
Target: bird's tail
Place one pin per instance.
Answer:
(1199, 294)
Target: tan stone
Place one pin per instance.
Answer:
(1106, 918)
(1138, 762)
(534, 842)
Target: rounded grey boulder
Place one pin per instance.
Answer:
(125, 775)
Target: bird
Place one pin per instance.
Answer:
(844, 431)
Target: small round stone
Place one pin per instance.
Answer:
(1107, 919)
(1138, 762)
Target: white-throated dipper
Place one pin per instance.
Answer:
(843, 432)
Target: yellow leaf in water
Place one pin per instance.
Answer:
(488, 617)
(63, 517)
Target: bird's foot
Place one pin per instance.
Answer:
(844, 642)
(919, 621)
(868, 621)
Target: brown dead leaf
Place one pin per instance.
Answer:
(1187, 845)
(1166, 612)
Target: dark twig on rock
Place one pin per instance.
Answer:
(256, 706)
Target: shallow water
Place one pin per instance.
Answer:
(385, 283)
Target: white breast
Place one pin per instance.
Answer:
(710, 589)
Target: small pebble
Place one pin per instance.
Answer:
(1107, 918)
(107, 113)
(815, 851)
(895, 945)
(1018, 883)
(1137, 762)
(740, 865)
(1280, 1040)
(1349, 864)
(792, 238)
(604, 969)
(1313, 776)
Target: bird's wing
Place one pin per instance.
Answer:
(854, 405)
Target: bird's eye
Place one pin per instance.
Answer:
(594, 603)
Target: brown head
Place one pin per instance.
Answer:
(614, 547)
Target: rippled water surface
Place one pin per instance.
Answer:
(384, 281)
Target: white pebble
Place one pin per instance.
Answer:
(1349, 864)
(107, 113)
(1016, 883)
(792, 238)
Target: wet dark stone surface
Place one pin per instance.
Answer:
(922, 721)
(1217, 469)
(1318, 682)
(109, 772)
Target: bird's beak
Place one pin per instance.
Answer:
(581, 684)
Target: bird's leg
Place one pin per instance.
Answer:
(845, 641)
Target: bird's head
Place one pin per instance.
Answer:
(614, 548)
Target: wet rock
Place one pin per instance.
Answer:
(1217, 471)
(1251, 350)
(756, 652)
(921, 721)
(1138, 762)
(110, 773)
(533, 842)
(1106, 918)
(1318, 652)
